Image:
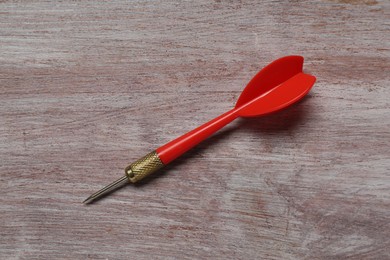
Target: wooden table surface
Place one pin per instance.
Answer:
(87, 87)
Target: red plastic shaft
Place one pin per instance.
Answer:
(180, 145)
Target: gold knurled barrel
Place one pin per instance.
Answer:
(143, 167)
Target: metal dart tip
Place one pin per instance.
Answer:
(109, 188)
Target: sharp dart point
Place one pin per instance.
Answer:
(109, 188)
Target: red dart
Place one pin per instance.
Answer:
(275, 87)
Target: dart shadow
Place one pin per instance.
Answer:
(288, 120)
(193, 153)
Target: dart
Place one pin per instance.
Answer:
(275, 87)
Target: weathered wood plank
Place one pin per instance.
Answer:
(88, 86)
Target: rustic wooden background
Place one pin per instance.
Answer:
(88, 86)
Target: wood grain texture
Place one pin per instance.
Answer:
(87, 87)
